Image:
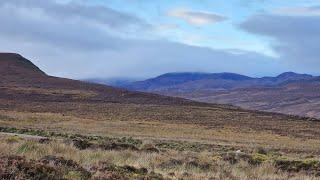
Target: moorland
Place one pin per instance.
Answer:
(57, 128)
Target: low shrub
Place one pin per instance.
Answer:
(299, 165)
(257, 159)
(105, 170)
(13, 139)
(16, 167)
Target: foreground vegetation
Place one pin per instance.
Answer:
(73, 156)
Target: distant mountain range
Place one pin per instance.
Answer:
(289, 93)
(190, 82)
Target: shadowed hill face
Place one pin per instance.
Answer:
(16, 65)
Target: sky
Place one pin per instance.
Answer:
(144, 38)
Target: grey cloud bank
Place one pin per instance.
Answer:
(81, 41)
(72, 11)
(296, 38)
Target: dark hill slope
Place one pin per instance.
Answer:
(21, 79)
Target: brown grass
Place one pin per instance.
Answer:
(158, 162)
(163, 122)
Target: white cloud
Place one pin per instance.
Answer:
(196, 17)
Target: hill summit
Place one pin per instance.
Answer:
(12, 64)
